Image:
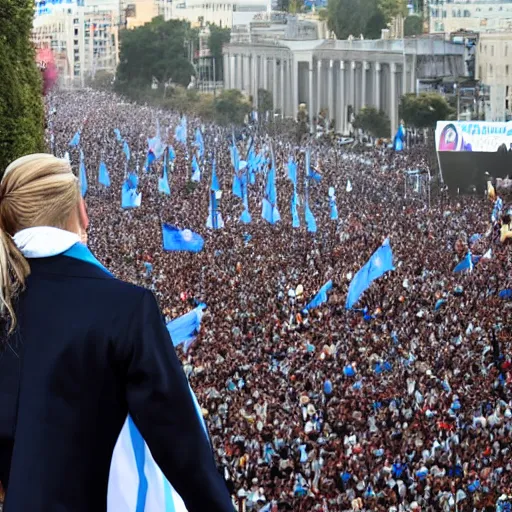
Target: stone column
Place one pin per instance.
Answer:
(342, 114)
(274, 83)
(392, 103)
(233, 78)
(282, 106)
(311, 100)
(376, 100)
(413, 74)
(225, 70)
(294, 67)
(265, 73)
(330, 92)
(318, 87)
(363, 84)
(255, 81)
(404, 75)
(352, 90)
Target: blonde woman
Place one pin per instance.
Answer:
(81, 351)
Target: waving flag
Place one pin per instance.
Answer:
(180, 134)
(380, 262)
(349, 186)
(199, 143)
(126, 151)
(196, 170)
(214, 220)
(465, 264)
(310, 218)
(185, 328)
(215, 181)
(332, 204)
(175, 239)
(118, 134)
(129, 196)
(311, 174)
(163, 181)
(103, 176)
(295, 213)
(269, 204)
(292, 171)
(75, 141)
(320, 297)
(398, 141)
(83, 175)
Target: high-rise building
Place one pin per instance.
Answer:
(83, 38)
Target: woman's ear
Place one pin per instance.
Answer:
(82, 213)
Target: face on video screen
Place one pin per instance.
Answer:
(449, 138)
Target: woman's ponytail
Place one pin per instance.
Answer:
(14, 270)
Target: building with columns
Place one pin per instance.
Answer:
(339, 76)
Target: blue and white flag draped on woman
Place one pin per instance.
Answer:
(136, 483)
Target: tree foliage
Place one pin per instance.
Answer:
(265, 101)
(231, 107)
(355, 17)
(373, 121)
(218, 38)
(21, 105)
(413, 26)
(392, 8)
(424, 110)
(159, 49)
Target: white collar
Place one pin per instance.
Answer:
(44, 241)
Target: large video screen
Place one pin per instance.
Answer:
(474, 136)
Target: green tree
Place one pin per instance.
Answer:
(159, 49)
(265, 101)
(373, 121)
(231, 107)
(355, 17)
(21, 104)
(424, 110)
(392, 8)
(413, 26)
(218, 38)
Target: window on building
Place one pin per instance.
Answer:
(76, 31)
(490, 69)
(75, 42)
(506, 50)
(492, 50)
(444, 14)
(506, 70)
(485, 49)
(479, 72)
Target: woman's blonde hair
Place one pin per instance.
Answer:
(35, 190)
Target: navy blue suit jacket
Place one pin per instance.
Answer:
(88, 350)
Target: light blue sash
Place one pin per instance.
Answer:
(81, 252)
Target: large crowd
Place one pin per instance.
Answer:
(404, 406)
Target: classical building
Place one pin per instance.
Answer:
(494, 70)
(339, 76)
(480, 16)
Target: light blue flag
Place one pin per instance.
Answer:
(175, 239)
(180, 134)
(83, 175)
(332, 204)
(246, 216)
(118, 134)
(172, 154)
(199, 143)
(163, 181)
(215, 181)
(196, 170)
(311, 174)
(398, 141)
(320, 297)
(379, 263)
(269, 209)
(129, 196)
(126, 151)
(185, 328)
(214, 220)
(310, 218)
(292, 171)
(465, 264)
(75, 141)
(295, 213)
(103, 176)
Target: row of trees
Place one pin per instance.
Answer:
(21, 106)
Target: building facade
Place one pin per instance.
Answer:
(83, 40)
(338, 76)
(494, 70)
(455, 15)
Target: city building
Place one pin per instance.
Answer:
(494, 70)
(448, 16)
(298, 67)
(84, 40)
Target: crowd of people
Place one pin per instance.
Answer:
(401, 404)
